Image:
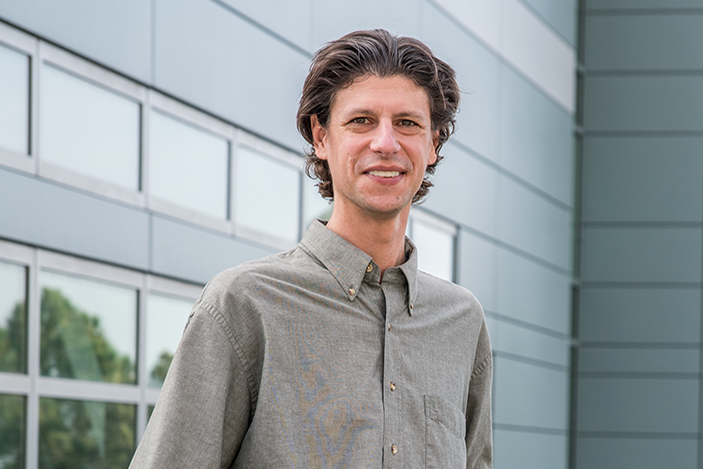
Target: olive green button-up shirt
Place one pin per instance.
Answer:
(306, 359)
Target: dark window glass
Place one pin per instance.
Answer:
(13, 318)
(82, 434)
(14, 96)
(12, 431)
(88, 329)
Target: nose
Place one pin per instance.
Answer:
(384, 139)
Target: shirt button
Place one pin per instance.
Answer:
(369, 267)
(392, 386)
(352, 291)
(394, 449)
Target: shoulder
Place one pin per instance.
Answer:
(440, 292)
(242, 278)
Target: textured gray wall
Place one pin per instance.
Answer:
(640, 304)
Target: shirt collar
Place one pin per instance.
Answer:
(348, 264)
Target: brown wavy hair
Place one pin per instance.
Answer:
(378, 53)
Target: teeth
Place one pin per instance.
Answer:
(385, 174)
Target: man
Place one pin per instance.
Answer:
(340, 353)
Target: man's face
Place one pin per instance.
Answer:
(378, 142)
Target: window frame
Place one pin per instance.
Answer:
(33, 386)
(95, 75)
(29, 45)
(187, 115)
(281, 156)
(423, 216)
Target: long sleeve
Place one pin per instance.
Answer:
(204, 407)
(479, 434)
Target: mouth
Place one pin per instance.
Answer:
(385, 174)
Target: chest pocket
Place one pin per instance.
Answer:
(445, 432)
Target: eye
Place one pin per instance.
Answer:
(359, 120)
(407, 123)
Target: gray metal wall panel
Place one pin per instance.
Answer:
(644, 103)
(208, 56)
(49, 215)
(642, 4)
(465, 190)
(516, 340)
(477, 268)
(291, 19)
(536, 139)
(649, 453)
(641, 254)
(656, 315)
(560, 14)
(187, 252)
(530, 395)
(524, 450)
(638, 405)
(333, 19)
(643, 179)
(117, 34)
(479, 77)
(639, 360)
(534, 224)
(644, 42)
(533, 293)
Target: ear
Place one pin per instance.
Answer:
(319, 138)
(433, 150)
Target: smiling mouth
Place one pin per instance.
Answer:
(385, 174)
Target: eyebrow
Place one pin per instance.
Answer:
(414, 115)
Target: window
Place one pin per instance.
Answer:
(188, 166)
(12, 431)
(14, 96)
(85, 434)
(88, 329)
(267, 195)
(89, 129)
(102, 338)
(165, 322)
(13, 318)
(435, 242)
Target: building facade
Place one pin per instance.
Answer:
(146, 145)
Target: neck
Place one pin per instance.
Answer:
(381, 238)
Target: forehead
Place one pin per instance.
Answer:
(371, 92)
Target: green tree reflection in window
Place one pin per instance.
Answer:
(73, 345)
(13, 318)
(13, 342)
(12, 430)
(80, 434)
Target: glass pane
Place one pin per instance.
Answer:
(81, 434)
(14, 100)
(314, 205)
(188, 166)
(166, 318)
(89, 129)
(267, 195)
(88, 329)
(435, 249)
(12, 431)
(13, 318)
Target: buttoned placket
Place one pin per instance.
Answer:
(396, 310)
